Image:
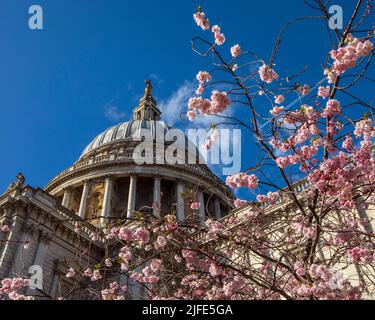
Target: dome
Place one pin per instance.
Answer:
(125, 131)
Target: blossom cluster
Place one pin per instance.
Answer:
(11, 287)
(204, 23)
(201, 20)
(242, 180)
(267, 74)
(346, 56)
(114, 292)
(363, 255)
(218, 103)
(235, 50)
(202, 77)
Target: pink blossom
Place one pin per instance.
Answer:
(96, 275)
(125, 255)
(108, 263)
(279, 99)
(214, 270)
(88, 273)
(161, 242)
(200, 90)
(271, 197)
(304, 90)
(71, 273)
(195, 205)
(123, 233)
(331, 76)
(203, 76)
(155, 264)
(191, 115)
(219, 101)
(235, 51)
(202, 21)
(364, 48)
(348, 144)
(219, 37)
(235, 67)
(238, 203)
(346, 56)
(4, 228)
(282, 162)
(276, 110)
(324, 92)
(143, 235)
(267, 74)
(332, 107)
(242, 180)
(360, 254)
(299, 268)
(364, 128)
(200, 104)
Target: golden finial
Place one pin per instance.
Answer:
(148, 89)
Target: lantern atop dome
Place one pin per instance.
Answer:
(147, 108)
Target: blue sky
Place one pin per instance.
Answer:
(84, 72)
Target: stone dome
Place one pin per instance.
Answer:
(124, 132)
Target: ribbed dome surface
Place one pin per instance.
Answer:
(126, 131)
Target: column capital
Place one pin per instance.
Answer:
(108, 178)
(180, 182)
(45, 236)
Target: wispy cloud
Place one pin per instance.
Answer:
(155, 78)
(176, 104)
(113, 113)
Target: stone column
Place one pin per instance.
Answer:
(83, 204)
(67, 197)
(202, 208)
(13, 236)
(55, 279)
(132, 196)
(7, 212)
(217, 209)
(106, 212)
(39, 262)
(157, 190)
(180, 201)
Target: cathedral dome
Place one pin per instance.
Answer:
(124, 132)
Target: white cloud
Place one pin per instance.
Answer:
(173, 107)
(113, 113)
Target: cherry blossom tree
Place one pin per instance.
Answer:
(306, 231)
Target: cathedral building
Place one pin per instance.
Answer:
(52, 225)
